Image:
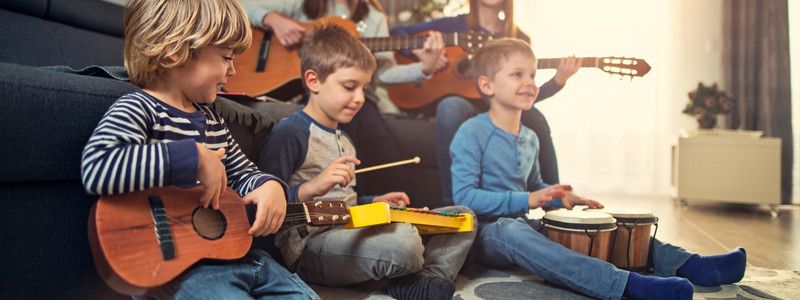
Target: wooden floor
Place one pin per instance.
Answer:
(710, 228)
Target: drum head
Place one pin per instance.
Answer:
(629, 216)
(576, 220)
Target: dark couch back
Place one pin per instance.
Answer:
(67, 32)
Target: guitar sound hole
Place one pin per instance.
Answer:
(463, 66)
(208, 223)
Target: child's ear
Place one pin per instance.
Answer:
(485, 85)
(312, 81)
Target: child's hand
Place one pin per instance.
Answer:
(541, 197)
(571, 199)
(394, 198)
(432, 54)
(567, 67)
(211, 174)
(338, 172)
(270, 201)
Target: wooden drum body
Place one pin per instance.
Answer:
(632, 240)
(588, 233)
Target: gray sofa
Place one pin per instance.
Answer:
(48, 117)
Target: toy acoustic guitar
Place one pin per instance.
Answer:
(142, 240)
(456, 79)
(268, 66)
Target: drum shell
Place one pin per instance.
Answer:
(579, 242)
(632, 242)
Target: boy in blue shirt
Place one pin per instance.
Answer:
(316, 158)
(180, 53)
(493, 159)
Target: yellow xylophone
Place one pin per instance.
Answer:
(426, 221)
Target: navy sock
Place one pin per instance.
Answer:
(657, 288)
(415, 286)
(714, 270)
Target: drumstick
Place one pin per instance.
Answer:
(414, 160)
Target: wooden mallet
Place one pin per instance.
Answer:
(414, 160)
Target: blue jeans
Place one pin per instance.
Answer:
(511, 242)
(452, 111)
(255, 276)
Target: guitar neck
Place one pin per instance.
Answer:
(552, 63)
(394, 43)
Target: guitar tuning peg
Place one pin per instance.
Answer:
(346, 217)
(335, 217)
(318, 203)
(321, 218)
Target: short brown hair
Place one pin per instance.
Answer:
(329, 47)
(155, 30)
(489, 57)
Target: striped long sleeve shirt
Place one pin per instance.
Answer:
(142, 142)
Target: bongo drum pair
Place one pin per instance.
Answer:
(621, 237)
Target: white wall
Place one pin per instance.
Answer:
(612, 136)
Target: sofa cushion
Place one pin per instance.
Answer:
(34, 41)
(48, 119)
(36, 8)
(92, 15)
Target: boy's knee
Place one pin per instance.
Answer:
(405, 247)
(451, 108)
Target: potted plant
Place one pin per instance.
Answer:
(706, 102)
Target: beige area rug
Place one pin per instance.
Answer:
(477, 282)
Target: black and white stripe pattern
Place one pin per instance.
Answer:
(130, 148)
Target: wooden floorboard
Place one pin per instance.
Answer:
(709, 228)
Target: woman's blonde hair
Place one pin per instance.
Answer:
(163, 34)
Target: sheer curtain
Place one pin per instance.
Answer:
(614, 136)
(604, 127)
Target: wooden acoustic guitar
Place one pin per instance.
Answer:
(456, 79)
(268, 66)
(143, 240)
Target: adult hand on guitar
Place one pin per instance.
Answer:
(571, 199)
(338, 172)
(432, 54)
(541, 197)
(270, 201)
(399, 199)
(211, 174)
(287, 30)
(567, 67)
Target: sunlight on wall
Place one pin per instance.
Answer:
(603, 126)
(613, 136)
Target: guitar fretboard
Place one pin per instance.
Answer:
(552, 63)
(395, 43)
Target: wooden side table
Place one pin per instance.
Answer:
(727, 166)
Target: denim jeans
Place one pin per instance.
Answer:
(511, 242)
(452, 111)
(347, 256)
(255, 276)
